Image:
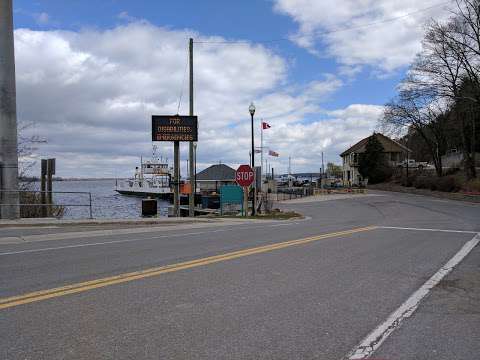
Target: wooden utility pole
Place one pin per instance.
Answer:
(191, 197)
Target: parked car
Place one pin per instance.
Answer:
(413, 164)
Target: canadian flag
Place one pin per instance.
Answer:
(265, 125)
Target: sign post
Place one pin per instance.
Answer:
(245, 201)
(244, 176)
(175, 128)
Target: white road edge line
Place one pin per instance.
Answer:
(420, 229)
(27, 251)
(373, 340)
(107, 242)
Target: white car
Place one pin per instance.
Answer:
(413, 164)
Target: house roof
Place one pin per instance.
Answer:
(388, 144)
(218, 172)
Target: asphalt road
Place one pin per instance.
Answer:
(246, 291)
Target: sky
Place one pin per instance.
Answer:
(90, 74)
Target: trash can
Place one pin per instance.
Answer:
(149, 207)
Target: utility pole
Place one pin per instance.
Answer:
(191, 197)
(8, 117)
(408, 160)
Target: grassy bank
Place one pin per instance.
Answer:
(461, 196)
(274, 215)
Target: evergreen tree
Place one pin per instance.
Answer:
(372, 164)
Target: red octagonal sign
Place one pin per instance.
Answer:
(244, 175)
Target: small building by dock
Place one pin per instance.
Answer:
(214, 177)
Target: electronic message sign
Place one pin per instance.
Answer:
(174, 128)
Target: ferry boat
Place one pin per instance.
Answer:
(153, 178)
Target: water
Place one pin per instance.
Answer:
(106, 203)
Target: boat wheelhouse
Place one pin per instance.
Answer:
(154, 178)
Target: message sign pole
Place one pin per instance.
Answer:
(191, 198)
(176, 178)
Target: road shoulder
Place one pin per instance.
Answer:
(447, 324)
(63, 231)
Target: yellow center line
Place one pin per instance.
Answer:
(136, 275)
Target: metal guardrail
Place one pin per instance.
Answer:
(292, 193)
(89, 205)
(298, 192)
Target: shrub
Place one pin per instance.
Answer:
(445, 183)
(448, 184)
(33, 211)
(410, 181)
(422, 182)
(472, 185)
(452, 171)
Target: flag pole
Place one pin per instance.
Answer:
(261, 148)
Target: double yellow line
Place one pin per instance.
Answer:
(136, 275)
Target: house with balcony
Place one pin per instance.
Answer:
(394, 151)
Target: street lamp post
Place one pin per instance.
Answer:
(251, 109)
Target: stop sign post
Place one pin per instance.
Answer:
(245, 176)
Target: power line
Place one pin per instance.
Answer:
(386, 20)
(183, 85)
(327, 32)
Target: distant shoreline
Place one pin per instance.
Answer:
(70, 179)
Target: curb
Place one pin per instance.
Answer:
(60, 222)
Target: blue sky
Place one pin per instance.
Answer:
(325, 84)
(248, 19)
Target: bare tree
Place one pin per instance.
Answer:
(434, 89)
(412, 111)
(461, 36)
(27, 144)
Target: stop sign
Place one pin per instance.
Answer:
(244, 175)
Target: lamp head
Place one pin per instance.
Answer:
(251, 108)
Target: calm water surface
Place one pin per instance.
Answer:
(106, 203)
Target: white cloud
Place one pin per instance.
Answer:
(42, 18)
(387, 45)
(91, 94)
(334, 133)
(124, 15)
